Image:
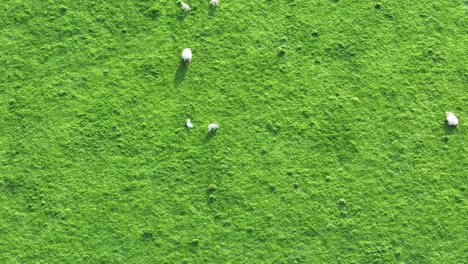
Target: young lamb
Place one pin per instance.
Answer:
(187, 55)
(214, 2)
(452, 120)
(189, 124)
(185, 6)
(212, 127)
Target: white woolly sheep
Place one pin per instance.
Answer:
(452, 120)
(187, 55)
(184, 6)
(214, 2)
(212, 127)
(189, 124)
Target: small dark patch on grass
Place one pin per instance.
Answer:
(281, 52)
(283, 68)
(389, 16)
(458, 199)
(211, 189)
(22, 16)
(343, 214)
(145, 235)
(445, 139)
(195, 243)
(273, 128)
(342, 202)
(211, 199)
(199, 37)
(272, 188)
(296, 186)
(63, 10)
(423, 15)
(306, 113)
(152, 12)
(340, 50)
(9, 184)
(217, 217)
(62, 93)
(99, 19)
(315, 34)
(378, 6)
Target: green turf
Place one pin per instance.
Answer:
(331, 146)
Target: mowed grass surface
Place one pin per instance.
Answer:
(332, 146)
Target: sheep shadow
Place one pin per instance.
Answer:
(449, 130)
(209, 136)
(180, 73)
(181, 14)
(212, 10)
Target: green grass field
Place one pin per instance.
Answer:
(332, 145)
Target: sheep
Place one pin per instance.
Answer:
(452, 120)
(185, 6)
(214, 2)
(189, 124)
(187, 55)
(212, 127)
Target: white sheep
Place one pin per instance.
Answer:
(452, 120)
(189, 124)
(185, 6)
(212, 127)
(187, 55)
(214, 2)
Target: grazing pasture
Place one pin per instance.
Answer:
(332, 148)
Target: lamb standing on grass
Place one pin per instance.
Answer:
(212, 127)
(187, 55)
(189, 124)
(185, 6)
(452, 120)
(214, 2)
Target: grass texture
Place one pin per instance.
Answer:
(331, 148)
